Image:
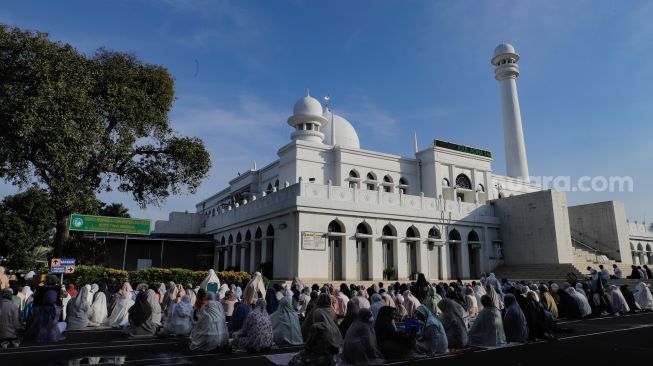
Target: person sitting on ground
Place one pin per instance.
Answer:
(431, 338)
(238, 317)
(361, 300)
(285, 324)
(350, 317)
(471, 303)
(210, 331)
(322, 309)
(181, 319)
(360, 347)
(9, 318)
(119, 316)
(548, 302)
(619, 304)
(514, 321)
(376, 304)
(454, 320)
(649, 275)
(322, 345)
(568, 307)
(254, 290)
(44, 324)
(140, 317)
(581, 301)
(97, 315)
(393, 344)
(228, 304)
(411, 303)
(617, 272)
(488, 327)
(539, 324)
(71, 290)
(271, 299)
(642, 273)
(77, 311)
(400, 313)
(156, 308)
(634, 274)
(256, 334)
(643, 297)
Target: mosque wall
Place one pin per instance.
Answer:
(602, 225)
(535, 228)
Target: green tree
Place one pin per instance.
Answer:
(79, 125)
(115, 210)
(26, 223)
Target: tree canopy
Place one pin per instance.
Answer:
(77, 125)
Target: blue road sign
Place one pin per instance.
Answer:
(58, 269)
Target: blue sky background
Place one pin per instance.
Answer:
(391, 67)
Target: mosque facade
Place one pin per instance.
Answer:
(328, 209)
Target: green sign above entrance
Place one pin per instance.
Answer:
(463, 148)
(106, 224)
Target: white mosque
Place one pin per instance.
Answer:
(328, 209)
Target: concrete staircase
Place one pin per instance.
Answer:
(583, 256)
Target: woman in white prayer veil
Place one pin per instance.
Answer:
(223, 291)
(210, 331)
(619, 303)
(77, 311)
(98, 313)
(89, 294)
(492, 294)
(583, 304)
(643, 297)
(94, 290)
(156, 307)
(211, 283)
(181, 319)
(254, 290)
(123, 301)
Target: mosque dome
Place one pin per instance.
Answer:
(346, 135)
(503, 49)
(307, 106)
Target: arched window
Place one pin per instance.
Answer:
(270, 231)
(248, 236)
(501, 195)
(222, 241)
(231, 239)
(387, 180)
(412, 232)
(239, 238)
(454, 235)
(371, 181)
(276, 184)
(445, 183)
(258, 234)
(353, 174)
(434, 233)
(353, 178)
(335, 227)
(269, 189)
(363, 229)
(462, 181)
(473, 236)
(481, 188)
(389, 230)
(403, 185)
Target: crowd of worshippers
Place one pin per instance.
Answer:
(349, 324)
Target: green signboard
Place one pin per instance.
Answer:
(463, 148)
(106, 224)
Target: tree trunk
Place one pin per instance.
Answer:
(62, 233)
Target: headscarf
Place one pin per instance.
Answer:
(400, 309)
(431, 300)
(431, 338)
(548, 301)
(361, 301)
(98, 313)
(141, 311)
(271, 301)
(494, 296)
(238, 317)
(71, 290)
(210, 278)
(514, 322)
(376, 304)
(453, 319)
(323, 312)
(77, 310)
(252, 289)
(643, 296)
(285, 324)
(350, 317)
(411, 303)
(583, 304)
(360, 347)
(210, 331)
(488, 326)
(181, 319)
(256, 334)
(579, 288)
(155, 306)
(162, 292)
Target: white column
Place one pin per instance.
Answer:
(401, 260)
(376, 259)
(243, 265)
(252, 256)
(264, 250)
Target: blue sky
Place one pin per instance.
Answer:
(391, 68)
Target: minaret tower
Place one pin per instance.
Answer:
(307, 119)
(506, 72)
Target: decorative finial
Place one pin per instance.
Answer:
(308, 92)
(415, 141)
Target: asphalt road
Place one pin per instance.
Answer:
(624, 340)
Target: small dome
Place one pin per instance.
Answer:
(346, 135)
(502, 49)
(307, 106)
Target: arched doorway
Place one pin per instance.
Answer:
(363, 235)
(474, 247)
(454, 253)
(267, 268)
(388, 239)
(435, 252)
(412, 242)
(248, 251)
(336, 233)
(258, 247)
(642, 254)
(649, 254)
